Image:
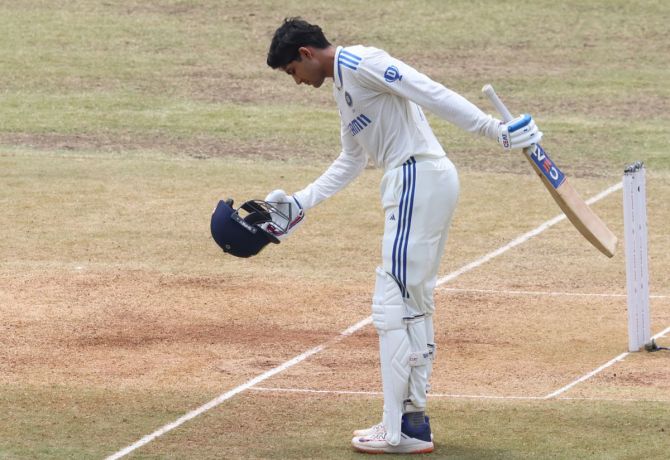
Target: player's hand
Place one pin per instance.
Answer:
(290, 214)
(519, 133)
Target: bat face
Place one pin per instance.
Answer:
(567, 198)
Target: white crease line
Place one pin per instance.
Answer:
(585, 377)
(310, 390)
(223, 397)
(543, 293)
(604, 193)
(213, 403)
(379, 393)
(598, 370)
(566, 398)
(446, 395)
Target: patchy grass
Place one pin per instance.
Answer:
(59, 421)
(74, 422)
(177, 72)
(472, 430)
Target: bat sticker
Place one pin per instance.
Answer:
(548, 167)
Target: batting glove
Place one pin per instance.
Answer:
(519, 133)
(290, 214)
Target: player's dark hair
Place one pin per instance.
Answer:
(293, 34)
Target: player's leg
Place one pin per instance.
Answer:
(435, 198)
(390, 318)
(413, 240)
(428, 305)
(389, 309)
(435, 193)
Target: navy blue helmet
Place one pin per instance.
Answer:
(241, 232)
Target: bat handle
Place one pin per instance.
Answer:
(497, 103)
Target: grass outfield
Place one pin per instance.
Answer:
(190, 76)
(254, 426)
(121, 125)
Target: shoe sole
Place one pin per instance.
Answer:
(426, 450)
(362, 433)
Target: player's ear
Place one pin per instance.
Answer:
(305, 52)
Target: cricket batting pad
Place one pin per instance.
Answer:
(419, 360)
(403, 353)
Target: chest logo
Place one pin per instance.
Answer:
(347, 98)
(392, 74)
(358, 124)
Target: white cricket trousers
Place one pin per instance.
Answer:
(419, 199)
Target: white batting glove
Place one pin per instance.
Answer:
(290, 214)
(519, 133)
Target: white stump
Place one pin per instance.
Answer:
(637, 273)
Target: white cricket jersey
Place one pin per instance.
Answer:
(380, 100)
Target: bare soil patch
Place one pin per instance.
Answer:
(151, 330)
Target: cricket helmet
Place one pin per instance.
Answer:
(242, 232)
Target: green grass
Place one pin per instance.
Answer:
(313, 428)
(73, 422)
(187, 69)
(124, 113)
(58, 421)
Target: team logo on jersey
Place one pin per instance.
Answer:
(347, 98)
(358, 124)
(392, 74)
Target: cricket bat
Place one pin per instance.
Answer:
(567, 198)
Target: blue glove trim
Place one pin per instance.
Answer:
(519, 123)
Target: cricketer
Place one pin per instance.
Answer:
(381, 101)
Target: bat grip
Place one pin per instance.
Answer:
(497, 103)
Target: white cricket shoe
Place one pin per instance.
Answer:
(376, 444)
(378, 428)
(374, 429)
(413, 440)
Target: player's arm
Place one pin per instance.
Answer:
(348, 165)
(384, 73)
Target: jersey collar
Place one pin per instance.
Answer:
(337, 73)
